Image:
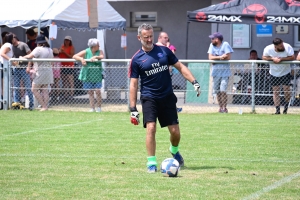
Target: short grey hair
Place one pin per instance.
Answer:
(144, 27)
(93, 42)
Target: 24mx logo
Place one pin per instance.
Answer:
(272, 19)
(224, 18)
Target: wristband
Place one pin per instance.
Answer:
(194, 82)
(133, 109)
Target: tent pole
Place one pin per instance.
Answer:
(125, 52)
(39, 27)
(50, 41)
(187, 39)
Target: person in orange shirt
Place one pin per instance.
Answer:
(66, 51)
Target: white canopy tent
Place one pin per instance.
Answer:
(67, 14)
(22, 13)
(74, 14)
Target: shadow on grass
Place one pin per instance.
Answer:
(206, 167)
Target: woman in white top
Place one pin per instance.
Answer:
(43, 75)
(6, 49)
(6, 53)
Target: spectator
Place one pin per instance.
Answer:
(171, 47)
(150, 65)
(162, 39)
(5, 53)
(55, 92)
(31, 36)
(91, 72)
(21, 49)
(260, 66)
(253, 55)
(1, 67)
(43, 75)
(280, 73)
(2, 37)
(66, 51)
(6, 49)
(260, 74)
(220, 50)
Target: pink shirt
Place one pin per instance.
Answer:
(172, 48)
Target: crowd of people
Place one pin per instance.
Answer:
(278, 72)
(27, 75)
(43, 80)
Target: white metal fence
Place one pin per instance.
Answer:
(249, 88)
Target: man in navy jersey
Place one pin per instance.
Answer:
(151, 65)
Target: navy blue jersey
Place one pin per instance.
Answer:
(153, 70)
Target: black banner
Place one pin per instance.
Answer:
(249, 12)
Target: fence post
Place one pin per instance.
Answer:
(294, 85)
(253, 65)
(128, 85)
(6, 70)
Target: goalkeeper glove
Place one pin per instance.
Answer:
(134, 116)
(197, 87)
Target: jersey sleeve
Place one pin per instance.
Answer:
(172, 59)
(133, 71)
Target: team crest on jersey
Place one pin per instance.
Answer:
(160, 55)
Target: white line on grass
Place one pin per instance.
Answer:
(272, 187)
(247, 160)
(50, 128)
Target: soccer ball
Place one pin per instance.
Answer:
(169, 167)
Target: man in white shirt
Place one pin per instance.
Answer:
(280, 73)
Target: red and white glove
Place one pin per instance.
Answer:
(134, 116)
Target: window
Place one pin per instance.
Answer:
(241, 37)
(138, 18)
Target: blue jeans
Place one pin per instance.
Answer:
(20, 74)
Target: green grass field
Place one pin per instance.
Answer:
(80, 155)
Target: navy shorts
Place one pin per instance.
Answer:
(282, 80)
(163, 109)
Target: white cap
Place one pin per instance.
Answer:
(68, 38)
